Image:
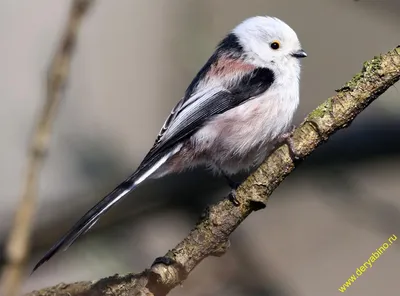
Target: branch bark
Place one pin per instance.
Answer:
(17, 248)
(210, 237)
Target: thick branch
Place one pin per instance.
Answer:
(210, 237)
(17, 248)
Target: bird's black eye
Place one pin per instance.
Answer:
(275, 45)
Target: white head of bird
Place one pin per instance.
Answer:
(270, 42)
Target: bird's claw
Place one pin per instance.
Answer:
(232, 197)
(233, 185)
(286, 138)
(292, 151)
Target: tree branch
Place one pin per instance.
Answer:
(17, 248)
(210, 237)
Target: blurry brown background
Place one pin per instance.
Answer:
(133, 62)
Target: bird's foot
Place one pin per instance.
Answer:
(234, 186)
(287, 139)
(285, 136)
(232, 197)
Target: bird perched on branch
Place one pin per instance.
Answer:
(233, 113)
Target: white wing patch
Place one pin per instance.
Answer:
(157, 165)
(189, 108)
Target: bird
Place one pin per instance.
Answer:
(232, 114)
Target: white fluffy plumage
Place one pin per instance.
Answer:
(241, 137)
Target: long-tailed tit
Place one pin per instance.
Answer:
(231, 116)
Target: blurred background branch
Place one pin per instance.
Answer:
(210, 237)
(18, 245)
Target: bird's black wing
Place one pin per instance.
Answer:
(229, 49)
(193, 113)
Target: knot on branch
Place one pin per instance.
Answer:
(165, 274)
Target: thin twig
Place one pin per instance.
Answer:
(210, 237)
(17, 248)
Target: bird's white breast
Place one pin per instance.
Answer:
(244, 135)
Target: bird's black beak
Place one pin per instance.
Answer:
(299, 54)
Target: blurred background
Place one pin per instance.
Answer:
(132, 63)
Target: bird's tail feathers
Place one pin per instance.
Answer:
(93, 215)
(87, 221)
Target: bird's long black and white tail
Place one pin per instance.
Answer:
(93, 215)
